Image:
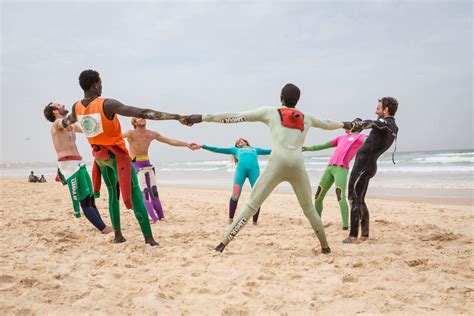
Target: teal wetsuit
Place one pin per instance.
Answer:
(247, 167)
(286, 163)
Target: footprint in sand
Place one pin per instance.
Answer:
(186, 263)
(349, 279)
(29, 282)
(235, 311)
(416, 262)
(358, 265)
(6, 282)
(48, 219)
(446, 236)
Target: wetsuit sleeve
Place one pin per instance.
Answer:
(262, 151)
(380, 124)
(228, 151)
(258, 115)
(320, 146)
(324, 124)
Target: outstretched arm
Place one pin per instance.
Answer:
(380, 124)
(257, 115)
(170, 141)
(228, 151)
(319, 147)
(262, 151)
(325, 124)
(112, 107)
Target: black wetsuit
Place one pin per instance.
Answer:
(384, 132)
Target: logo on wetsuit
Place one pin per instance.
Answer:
(237, 228)
(74, 189)
(91, 124)
(234, 119)
(292, 118)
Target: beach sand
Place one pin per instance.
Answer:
(418, 260)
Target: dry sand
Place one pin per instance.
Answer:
(418, 260)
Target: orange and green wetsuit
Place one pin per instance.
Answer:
(111, 160)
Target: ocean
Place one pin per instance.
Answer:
(446, 174)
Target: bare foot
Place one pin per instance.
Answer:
(350, 240)
(152, 221)
(231, 220)
(363, 238)
(255, 223)
(149, 240)
(326, 250)
(107, 230)
(162, 219)
(119, 237)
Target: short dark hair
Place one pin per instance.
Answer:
(87, 78)
(390, 103)
(48, 112)
(290, 94)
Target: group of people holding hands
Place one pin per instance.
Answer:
(128, 172)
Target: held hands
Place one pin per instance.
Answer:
(304, 148)
(194, 146)
(190, 120)
(356, 124)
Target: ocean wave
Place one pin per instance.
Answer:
(427, 169)
(188, 169)
(222, 163)
(446, 159)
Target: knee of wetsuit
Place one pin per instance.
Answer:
(154, 191)
(236, 193)
(339, 194)
(87, 202)
(316, 196)
(147, 194)
(93, 201)
(139, 217)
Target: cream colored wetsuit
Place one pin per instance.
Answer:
(286, 163)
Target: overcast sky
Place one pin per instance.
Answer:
(211, 57)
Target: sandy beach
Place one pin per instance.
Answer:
(418, 260)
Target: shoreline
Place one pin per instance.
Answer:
(425, 196)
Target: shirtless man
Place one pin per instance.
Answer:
(139, 139)
(71, 170)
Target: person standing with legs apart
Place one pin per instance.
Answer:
(288, 127)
